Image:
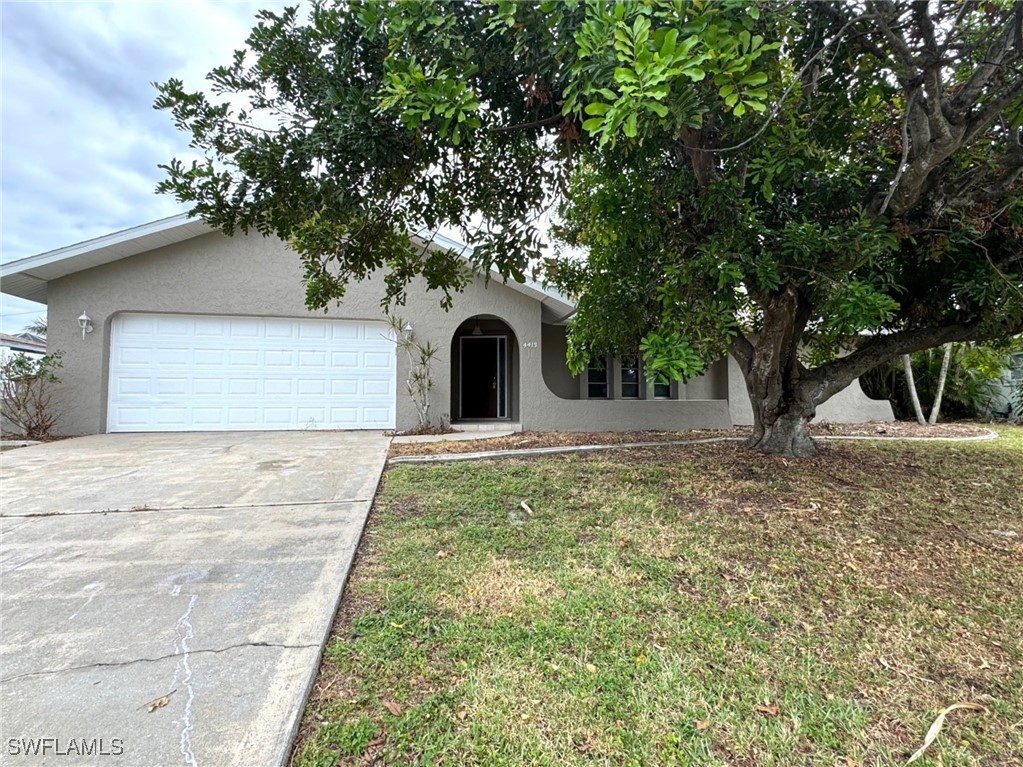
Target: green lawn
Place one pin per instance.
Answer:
(699, 605)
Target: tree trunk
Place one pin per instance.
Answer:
(936, 407)
(783, 402)
(783, 430)
(907, 363)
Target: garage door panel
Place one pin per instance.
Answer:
(377, 416)
(209, 357)
(206, 326)
(245, 328)
(376, 361)
(347, 332)
(280, 330)
(278, 358)
(171, 416)
(137, 325)
(377, 387)
(207, 416)
(344, 416)
(345, 359)
(174, 373)
(279, 388)
(172, 357)
(172, 386)
(212, 387)
(134, 355)
(243, 358)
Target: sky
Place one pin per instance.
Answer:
(80, 141)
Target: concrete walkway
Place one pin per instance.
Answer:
(204, 568)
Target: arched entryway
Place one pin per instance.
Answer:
(484, 371)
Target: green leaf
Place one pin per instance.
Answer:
(658, 108)
(597, 108)
(670, 43)
(593, 124)
(630, 126)
(754, 78)
(641, 29)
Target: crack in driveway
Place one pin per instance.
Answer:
(212, 651)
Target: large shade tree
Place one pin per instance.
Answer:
(813, 188)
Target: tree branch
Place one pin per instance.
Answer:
(743, 351)
(881, 12)
(831, 377)
(526, 126)
(905, 156)
(993, 60)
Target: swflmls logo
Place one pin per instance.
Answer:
(62, 747)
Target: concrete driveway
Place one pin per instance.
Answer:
(201, 567)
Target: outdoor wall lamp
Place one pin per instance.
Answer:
(408, 327)
(85, 323)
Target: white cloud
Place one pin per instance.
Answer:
(81, 140)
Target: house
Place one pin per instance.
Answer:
(27, 344)
(1004, 401)
(173, 326)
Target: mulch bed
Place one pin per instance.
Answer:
(533, 439)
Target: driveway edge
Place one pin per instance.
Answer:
(314, 671)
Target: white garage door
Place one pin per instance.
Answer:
(195, 373)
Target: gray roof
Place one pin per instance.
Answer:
(20, 344)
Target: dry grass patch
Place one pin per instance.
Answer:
(685, 606)
(502, 587)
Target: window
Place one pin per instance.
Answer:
(630, 378)
(662, 391)
(596, 380)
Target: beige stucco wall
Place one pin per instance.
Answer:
(255, 276)
(850, 405)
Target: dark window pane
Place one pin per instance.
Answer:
(596, 380)
(630, 378)
(662, 391)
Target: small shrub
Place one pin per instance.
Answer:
(419, 382)
(26, 393)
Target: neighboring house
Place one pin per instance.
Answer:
(27, 344)
(1003, 402)
(192, 330)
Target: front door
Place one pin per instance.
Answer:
(484, 377)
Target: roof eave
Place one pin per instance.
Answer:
(28, 277)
